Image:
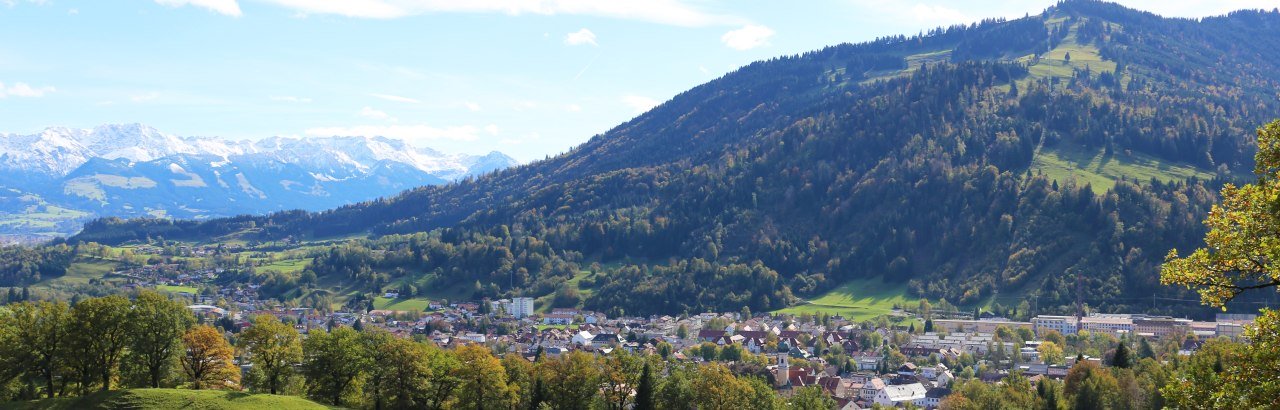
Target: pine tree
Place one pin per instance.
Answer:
(928, 325)
(644, 391)
(1121, 358)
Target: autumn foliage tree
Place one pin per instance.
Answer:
(208, 360)
(1242, 253)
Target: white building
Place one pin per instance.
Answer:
(894, 395)
(521, 307)
(1065, 325)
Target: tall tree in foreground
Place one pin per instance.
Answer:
(644, 390)
(333, 363)
(484, 382)
(273, 349)
(1241, 253)
(155, 325)
(100, 328)
(35, 338)
(208, 359)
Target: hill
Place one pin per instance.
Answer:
(950, 163)
(168, 399)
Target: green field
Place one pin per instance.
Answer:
(405, 304)
(81, 271)
(1055, 63)
(178, 289)
(860, 299)
(1102, 171)
(285, 266)
(169, 399)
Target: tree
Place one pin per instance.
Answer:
(100, 329)
(520, 377)
(332, 363)
(1121, 358)
(644, 390)
(812, 398)
(1091, 387)
(1241, 248)
(572, 380)
(156, 325)
(273, 349)
(682, 332)
(35, 338)
(619, 376)
(484, 382)
(1050, 353)
(208, 360)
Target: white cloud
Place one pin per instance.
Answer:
(73, 11)
(24, 90)
(473, 107)
(573, 108)
(290, 98)
(639, 103)
(747, 37)
(580, 37)
(670, 12)
(395, 98)
(370, 112)
(227, 7)
(491, 129)
(412, 133)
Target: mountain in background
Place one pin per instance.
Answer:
(53, 181)
(1009, 163)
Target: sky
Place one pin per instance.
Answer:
(530, 78)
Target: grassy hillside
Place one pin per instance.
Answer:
(1102, 170)
(168, 399)
(858, 299)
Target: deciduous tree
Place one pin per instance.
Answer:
(208, 360)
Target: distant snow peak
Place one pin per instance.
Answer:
(57, 151)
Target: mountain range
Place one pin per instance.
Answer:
(52, 181)
(1006, 162)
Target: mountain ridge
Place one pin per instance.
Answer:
(131, 170)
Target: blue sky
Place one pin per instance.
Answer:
(527, 77)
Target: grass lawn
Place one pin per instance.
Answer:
(859, 299)
(1102, 171)
(169, 399)
(410, 304)
(177, 289)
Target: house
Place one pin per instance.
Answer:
(582, 338)
(605, 340)
(869, 361)
(934, 396)
(907, 369)
(871, 388)
(557, 319)
(913, 393)
(710, 335)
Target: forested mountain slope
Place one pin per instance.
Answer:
(943, 161)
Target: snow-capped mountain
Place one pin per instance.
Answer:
(135, 170)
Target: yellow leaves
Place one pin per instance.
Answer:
(1243, 242)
